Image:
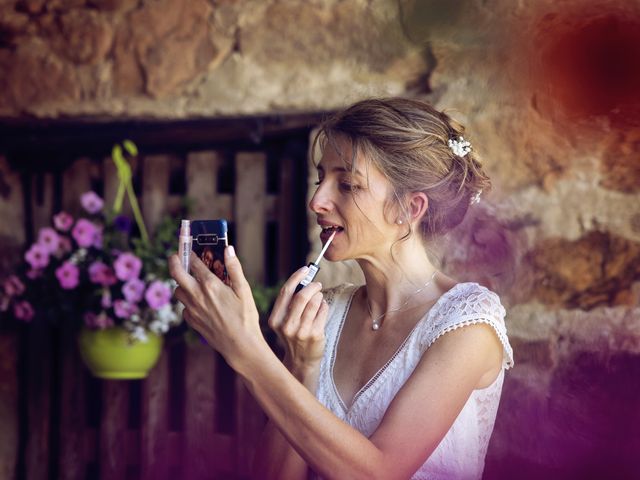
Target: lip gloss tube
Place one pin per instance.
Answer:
(184, 244)
(313, 267)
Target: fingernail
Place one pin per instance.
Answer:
(231, 252)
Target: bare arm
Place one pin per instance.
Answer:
(454, 366)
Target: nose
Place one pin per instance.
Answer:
(320, 201)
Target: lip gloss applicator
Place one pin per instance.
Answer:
(313, 266)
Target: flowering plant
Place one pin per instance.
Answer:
(94, 270)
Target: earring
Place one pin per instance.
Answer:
(399, 222)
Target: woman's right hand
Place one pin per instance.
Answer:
(299, 320)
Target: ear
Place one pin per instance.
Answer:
(418, 205)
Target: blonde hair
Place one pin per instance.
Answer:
(406, 139)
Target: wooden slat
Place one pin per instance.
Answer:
(41, 201)
(12, 233)
(113, 429)
(8, 404)
(155, 186)
(39, 399)
(201, 460)
(202, 179)
(284, 216)
(250, 212)
(155, 449)
(73, 451)
(76, 181)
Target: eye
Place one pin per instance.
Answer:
(348, 187)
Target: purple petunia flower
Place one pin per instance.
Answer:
(91, 202)
(101, 274)
(49, 239)
(127, 266)
(37, 256)
(97, 238)
(63, 221)
(133, 290)
(13, 286)
(122, 223)
(158, 294)
(84, 233)
(124, 309)
(23, 311)
(68, 275)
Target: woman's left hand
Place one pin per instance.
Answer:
(226, 316)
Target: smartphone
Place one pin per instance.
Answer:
(209, 238)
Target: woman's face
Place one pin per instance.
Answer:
(353, 204)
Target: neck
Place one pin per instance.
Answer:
(391, 281)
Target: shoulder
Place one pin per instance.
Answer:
(470, 299)
(469, 304)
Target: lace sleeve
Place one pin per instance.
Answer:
(470, 305)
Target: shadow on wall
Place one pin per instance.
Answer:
(588, 427)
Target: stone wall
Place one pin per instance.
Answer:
(547, 91)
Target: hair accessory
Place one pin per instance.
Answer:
(459, 147)
(375, 322)
(476, 197)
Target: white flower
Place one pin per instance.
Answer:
(139, 334)
(135, 318)
(166, 314)
(459, 147)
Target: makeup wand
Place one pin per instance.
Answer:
(313, 266)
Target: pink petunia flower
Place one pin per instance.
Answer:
(37, 256)
(84, 233)
(68, 275)
(23, 311)
(101, 274)
(124, 309)
(13, 286)
(133, 290)
(127, 266)
(63, 221)
(101, 321)
(49, 239)
(91, 202)
(158, 294)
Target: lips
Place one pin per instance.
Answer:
(328, 229)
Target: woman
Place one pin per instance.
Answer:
(378, 381)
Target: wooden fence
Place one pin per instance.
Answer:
(191, 418)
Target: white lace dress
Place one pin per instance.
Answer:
(461, 453)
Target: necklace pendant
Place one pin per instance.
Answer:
(375, 326)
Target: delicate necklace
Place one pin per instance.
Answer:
(375, 322)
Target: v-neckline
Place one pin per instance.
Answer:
(384, 367)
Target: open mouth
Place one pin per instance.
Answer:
(331, 229)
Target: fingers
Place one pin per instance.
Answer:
(179, 274)
(293, 318)
(281, 306)
(309, 315)
(200, 271)
(239, 283)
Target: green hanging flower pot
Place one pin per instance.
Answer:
(110, 353)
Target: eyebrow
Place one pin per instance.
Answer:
(342, 169)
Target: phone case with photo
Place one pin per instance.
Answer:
(209, 238)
